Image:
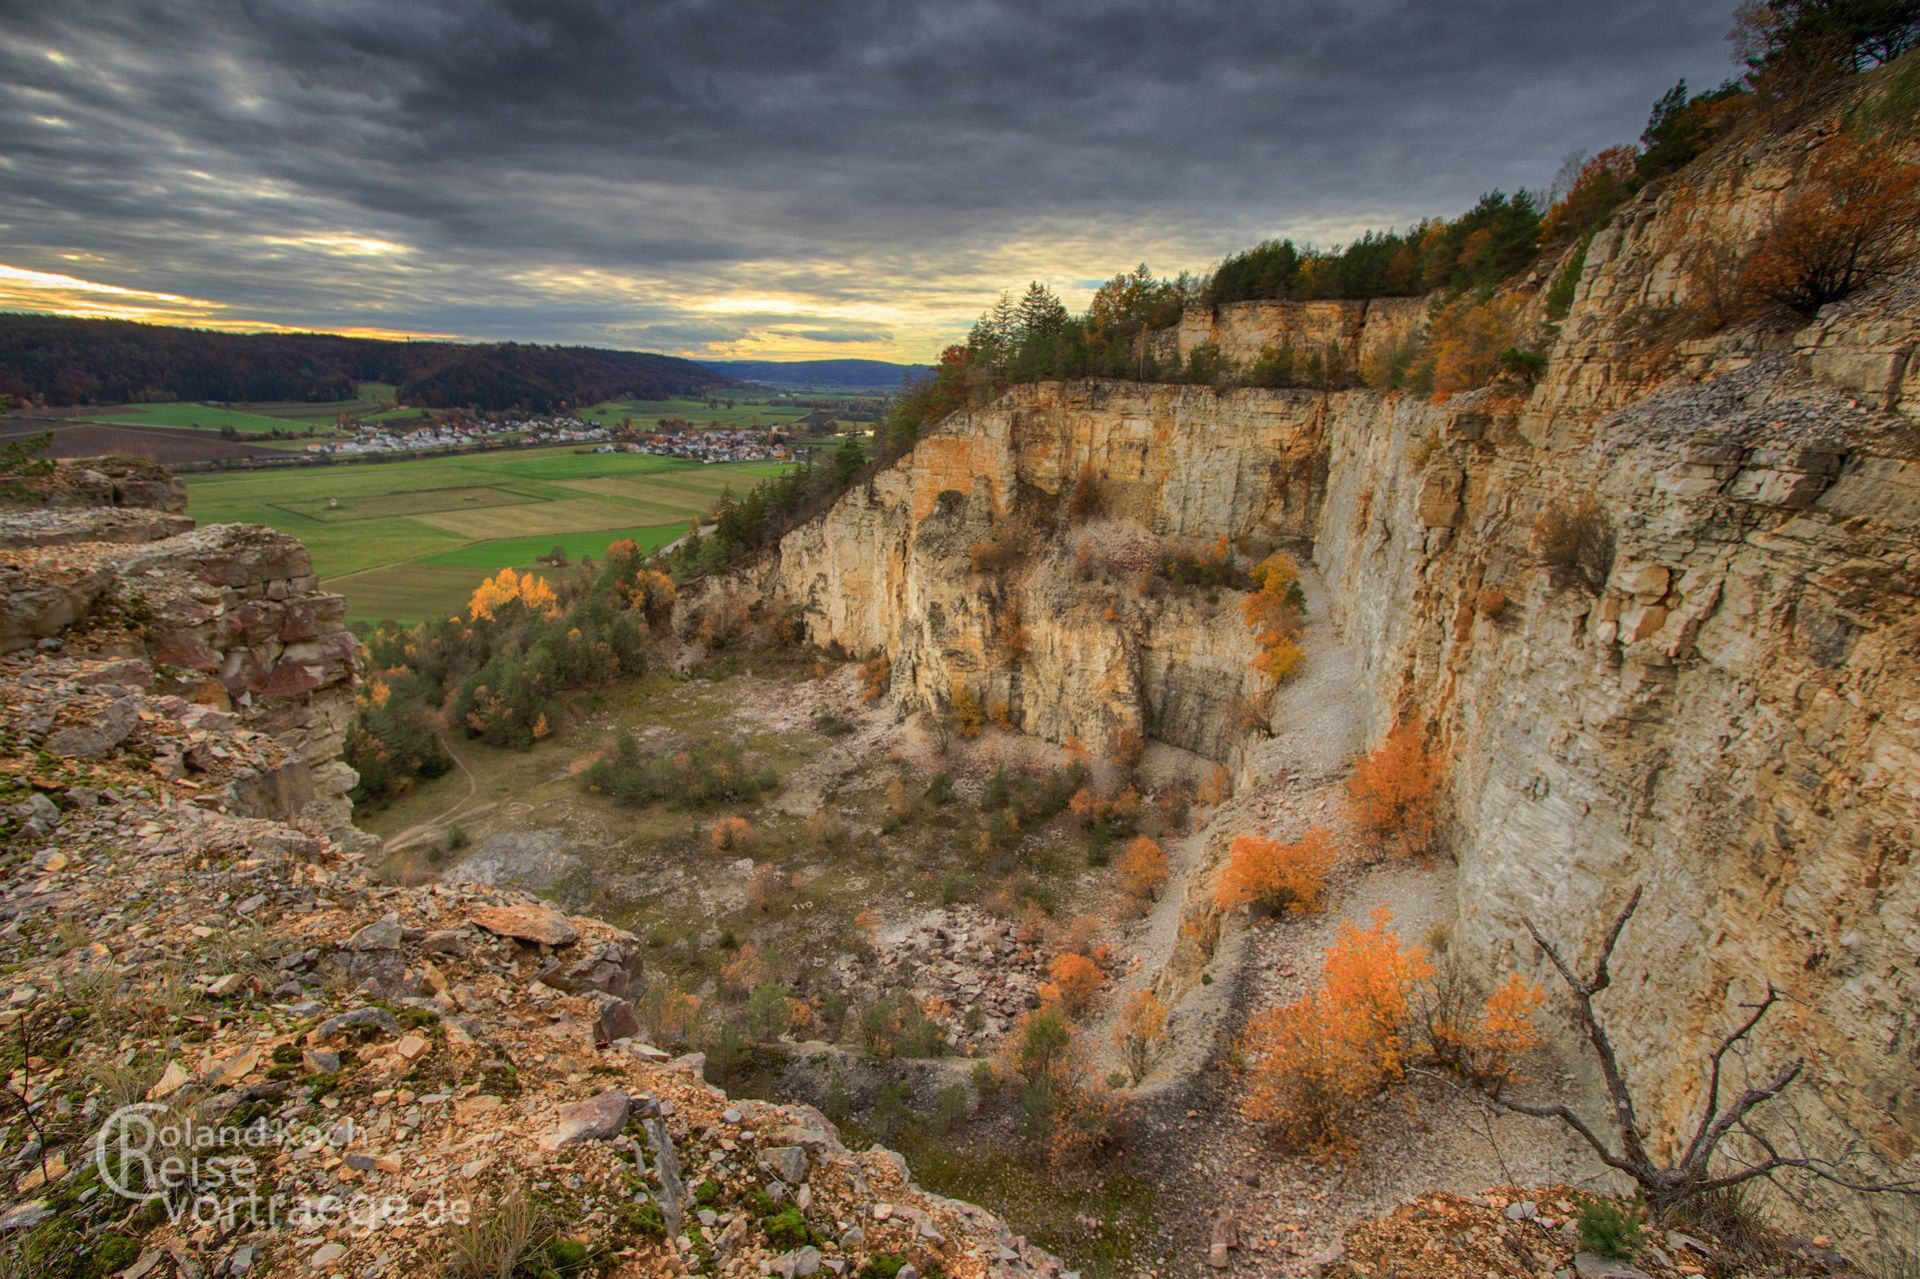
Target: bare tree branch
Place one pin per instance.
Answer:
(1667, 1185)
(1625, 1122)
(1713, 1078)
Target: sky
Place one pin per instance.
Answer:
(779, 179)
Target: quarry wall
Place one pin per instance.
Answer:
(1658, 612)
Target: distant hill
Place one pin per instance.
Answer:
(863, 375)
(67, 361)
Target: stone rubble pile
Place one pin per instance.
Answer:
(178, 931)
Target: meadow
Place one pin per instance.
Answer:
(373, 403)
(409, 540)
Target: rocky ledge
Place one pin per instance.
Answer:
(356, 1078)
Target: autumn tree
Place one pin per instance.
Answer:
(1393, 796)
(966, 716)
(1076, 979)
(1465, 340)
(876, 677)
(508, 587)
(1485, 1044)
(1066, 1116)
(1142, 1029)
(1085, 500)
(1275, 609)
(1595, 189)
(1143, 869)
(1852, 223)
(1278, 876)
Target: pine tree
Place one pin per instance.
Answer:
(1041, 314)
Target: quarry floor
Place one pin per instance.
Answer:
(841, 844)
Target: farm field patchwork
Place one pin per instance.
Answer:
(255, 418)
(409, 540)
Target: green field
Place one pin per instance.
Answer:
(410, 540)
(259, 418)
(746, 412)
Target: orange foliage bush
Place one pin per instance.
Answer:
(1076, 980)
(1370, 978)
(1086, 500)
(744, 971)
(1142, 1029)
(1068, 1118)
(876, 676)
(1308, 1064)
(966, 717)
(1143, 869)
(1489, 1047)
(727, 833)
(1464, 342)
(1126, 746)
(1274, 612)
(1090, 805)
(1278, 876)
(1394, 793)
(722, 620)
(653, 593)
(1601, 184)
(509, 587)
(1851, 223)
(669, 1015)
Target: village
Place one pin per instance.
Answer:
(456, 433)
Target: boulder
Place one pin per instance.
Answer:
(595, 1119)
(541, 925)
(615, 1019)
(106, 729)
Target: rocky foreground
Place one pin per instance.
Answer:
(230, 1051)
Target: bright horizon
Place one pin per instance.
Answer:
(858, 181)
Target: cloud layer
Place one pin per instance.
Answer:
(839, 177)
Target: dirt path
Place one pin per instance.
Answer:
(1204, 1157)
(1297, 776)
(414, 833)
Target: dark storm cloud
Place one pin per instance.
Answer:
(865, 170)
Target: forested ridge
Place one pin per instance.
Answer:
(55, 360)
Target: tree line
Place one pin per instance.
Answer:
(1797, 52)
(57, 360)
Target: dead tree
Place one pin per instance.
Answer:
(1665, 1186)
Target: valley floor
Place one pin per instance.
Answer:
(861, 880)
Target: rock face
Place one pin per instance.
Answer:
(1659, 614)
(226, 621)
(1352, 334)
(1069, 647)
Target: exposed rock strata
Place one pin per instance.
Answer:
(1718, 703)
(227, 619)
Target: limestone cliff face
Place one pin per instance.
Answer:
(1659, 614)
(1360, 331)
(1070, 649)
